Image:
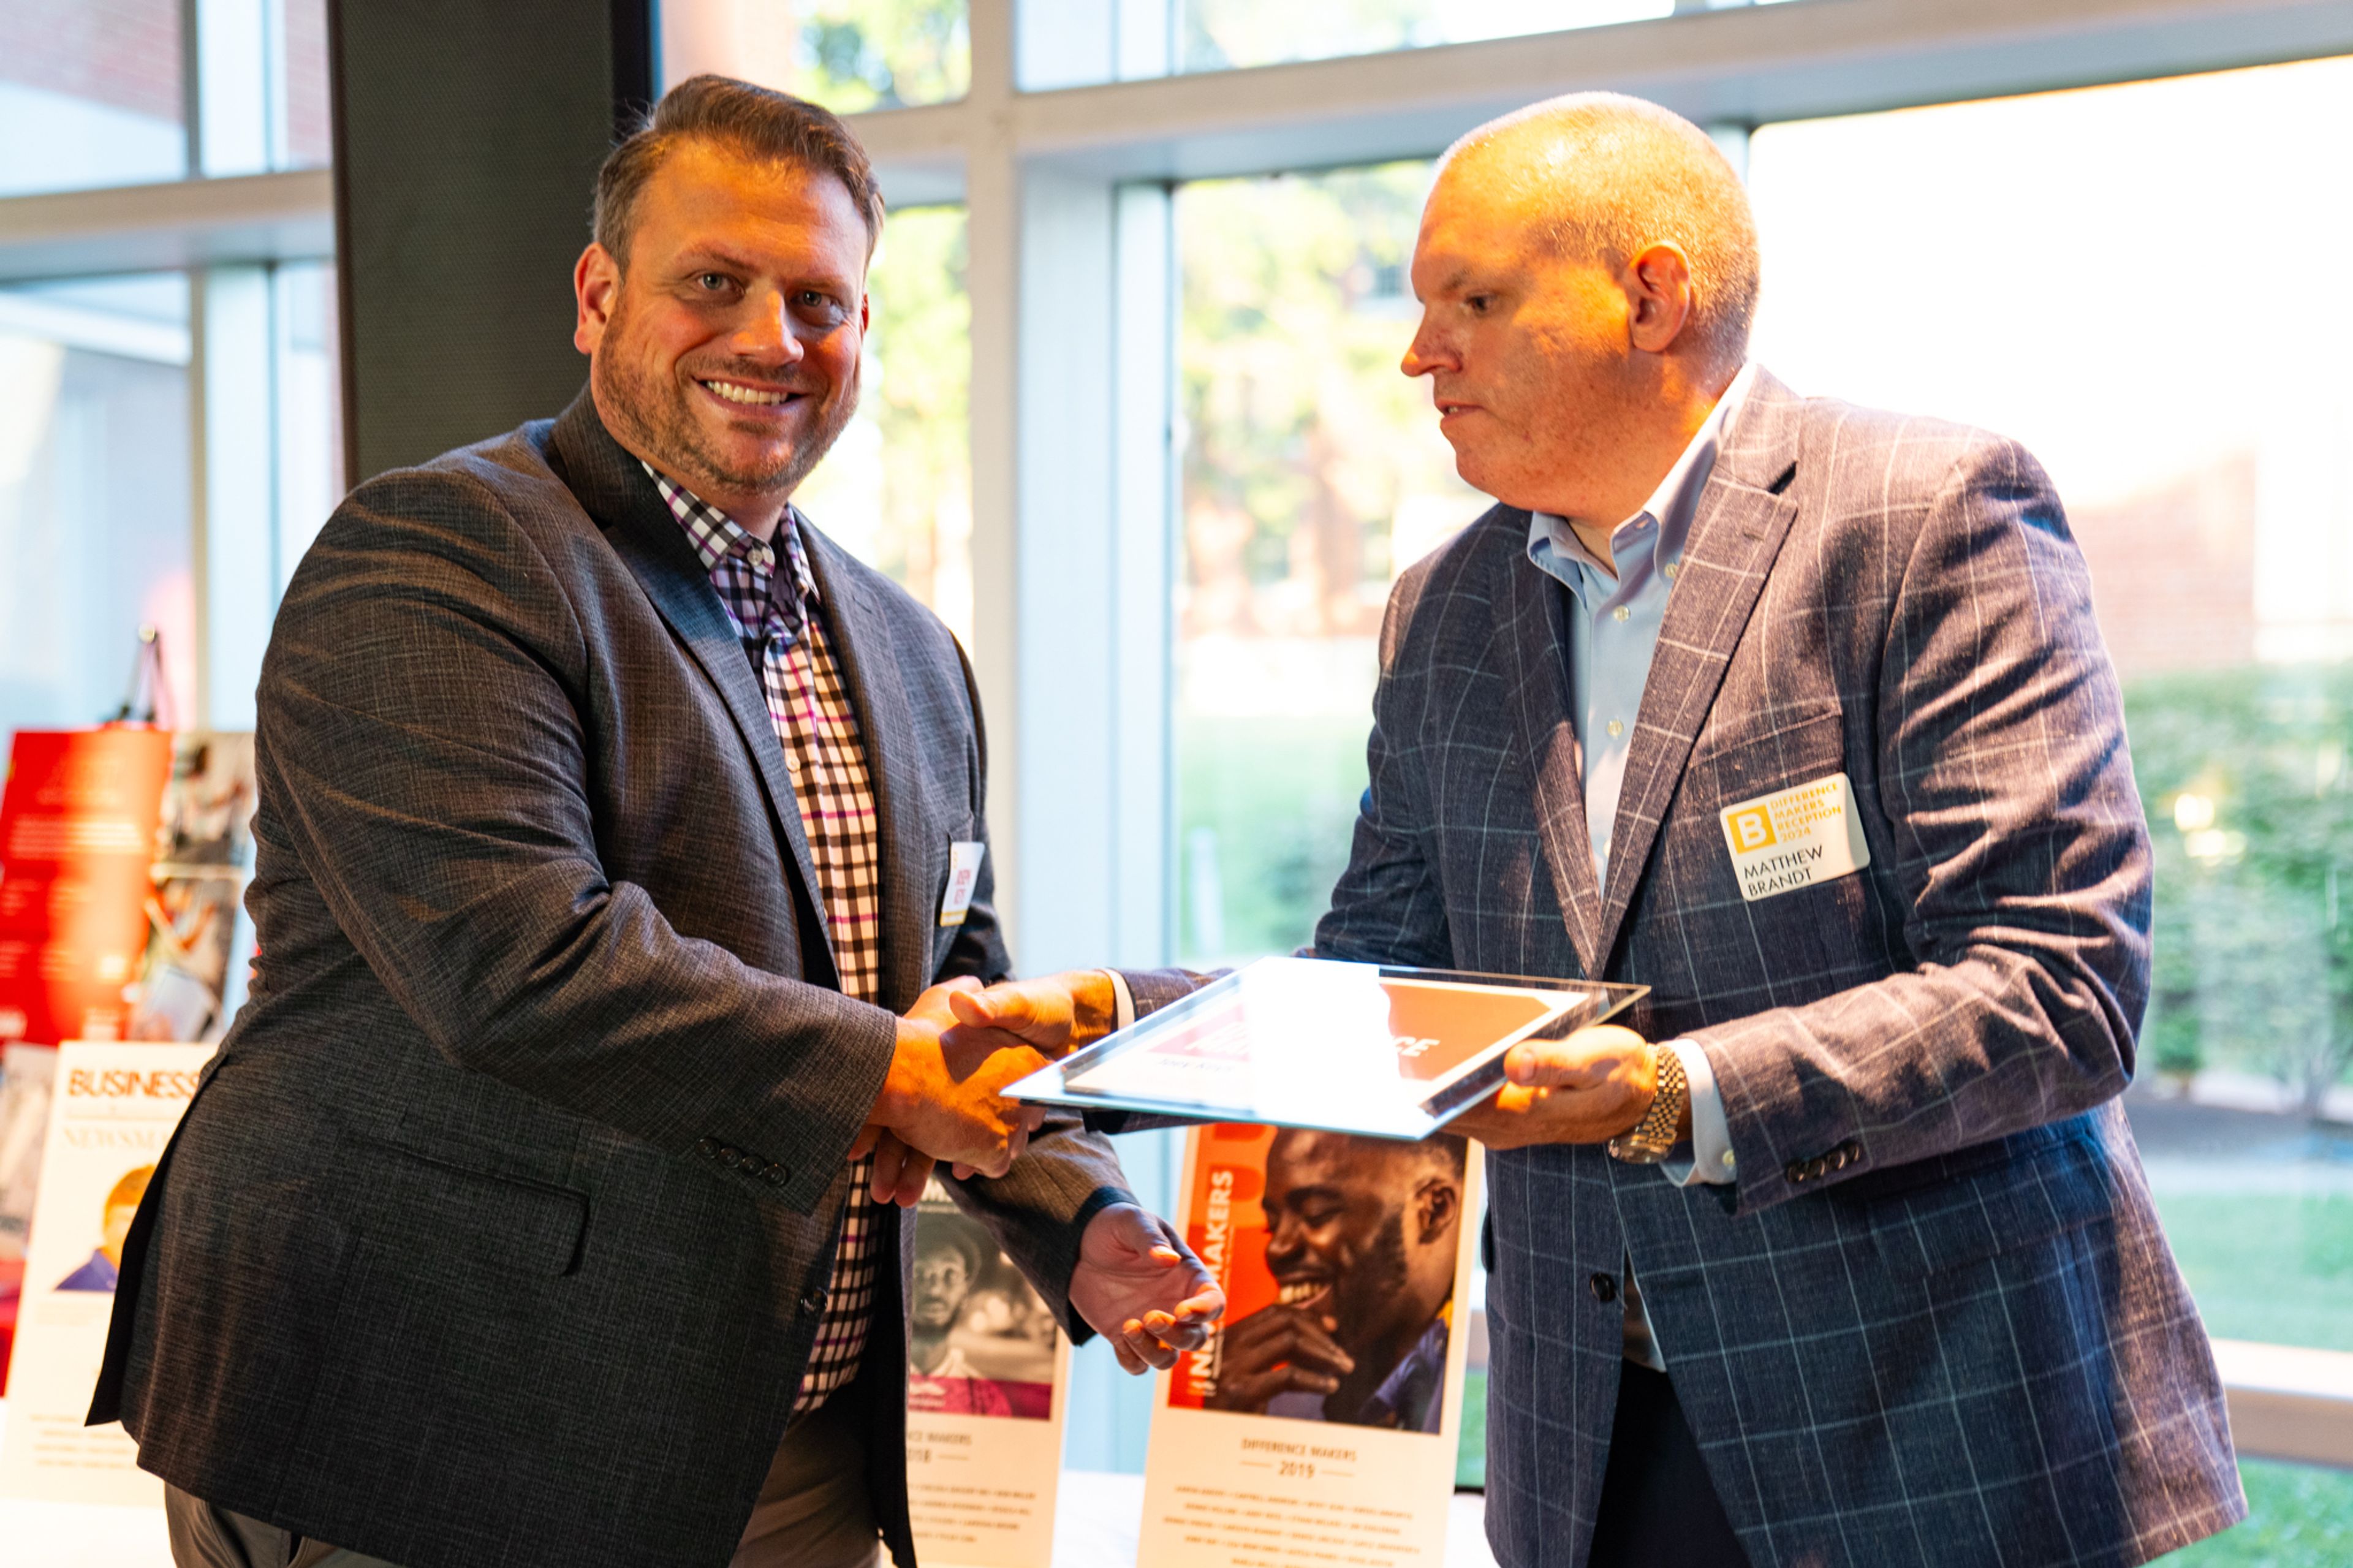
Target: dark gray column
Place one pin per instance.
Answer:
(468, 135)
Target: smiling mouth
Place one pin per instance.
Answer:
(1303, 1292)
(744, 396)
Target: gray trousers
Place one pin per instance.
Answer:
(812, 1512)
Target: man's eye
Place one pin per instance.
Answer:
(1477, 304)
(713, 282)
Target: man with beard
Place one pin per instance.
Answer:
(614, 840)
(948, 1259)
(1361, 1239)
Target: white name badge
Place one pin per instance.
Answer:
(1795, 838)
(964, 874)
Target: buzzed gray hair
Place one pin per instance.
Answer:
(1613, 173)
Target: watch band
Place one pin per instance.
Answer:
(1652, 1139)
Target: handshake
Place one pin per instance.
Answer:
(958, 1047)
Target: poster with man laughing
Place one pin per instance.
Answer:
(1338, 1256)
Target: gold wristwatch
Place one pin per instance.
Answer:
(1654, 1137)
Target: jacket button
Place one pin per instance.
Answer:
(727, 1154)
(775, 1175)
(1605, 1289)
(1818, 1167)
(1795, 1171)
(708, 1148)
(814, 1302)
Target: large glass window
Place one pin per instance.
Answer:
(896, 490)
(94, 487)
(849, 55)
(1312, 474)
(2092, 316)
(1217, 34)
(90, 94)
(2102, 315)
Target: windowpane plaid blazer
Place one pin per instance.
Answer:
(1936, 1321)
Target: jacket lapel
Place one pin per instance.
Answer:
(1744, 514)
(1538, 640)
(894, 765)
(617, 491)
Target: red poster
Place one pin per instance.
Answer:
(77, 825)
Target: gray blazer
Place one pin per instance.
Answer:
(1936, 1321)
(501, 1226)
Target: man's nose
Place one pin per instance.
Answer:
(1427, 353)
(766, 331)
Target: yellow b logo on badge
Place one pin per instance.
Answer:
(1753, 828)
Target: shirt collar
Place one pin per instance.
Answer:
(716, 536)
(1672, 505)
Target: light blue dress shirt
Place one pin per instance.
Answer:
(1613, 631)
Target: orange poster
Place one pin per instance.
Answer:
(78, 824)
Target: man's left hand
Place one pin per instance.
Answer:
(1141, 1288)
(1586, 1089)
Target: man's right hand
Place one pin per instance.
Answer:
(942, 1093)
(1277, 1350)
(1058, 1014)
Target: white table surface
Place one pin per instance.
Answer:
(1095, 1527)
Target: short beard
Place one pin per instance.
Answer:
(655, 420)
(1376, 1284)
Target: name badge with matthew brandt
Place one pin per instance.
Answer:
(1795, 838)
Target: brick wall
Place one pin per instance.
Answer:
(125, 53)
(2173, 571)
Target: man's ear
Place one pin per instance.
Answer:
(595, 279)
(1437, 1209)
(1658, 285)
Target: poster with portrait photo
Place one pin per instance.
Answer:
(1321, 1422)
(987, 1367)
(112, 1109)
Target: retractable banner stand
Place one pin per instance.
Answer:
(1320, 1424)
(985, 1378)
(111, 1110)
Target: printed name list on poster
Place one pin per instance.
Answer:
(1320, 1424)
(988, 1366)
(111, 1111)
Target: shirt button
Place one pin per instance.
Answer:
(793, 762)
(1671, 568)
(1604, 1288)
(1615, 728)
(814, 1302)
(1621, 613)
(1728, 1159)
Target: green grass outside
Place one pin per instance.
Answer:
(2269, 1267)
(1280, 796)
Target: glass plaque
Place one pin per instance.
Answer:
(1343, 1048)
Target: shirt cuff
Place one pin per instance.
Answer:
(1123, 1001)
(1710, 1162)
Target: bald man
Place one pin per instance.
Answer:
(1795, 713)
(1360, 1237)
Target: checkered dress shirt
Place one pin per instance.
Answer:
(818, 731)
